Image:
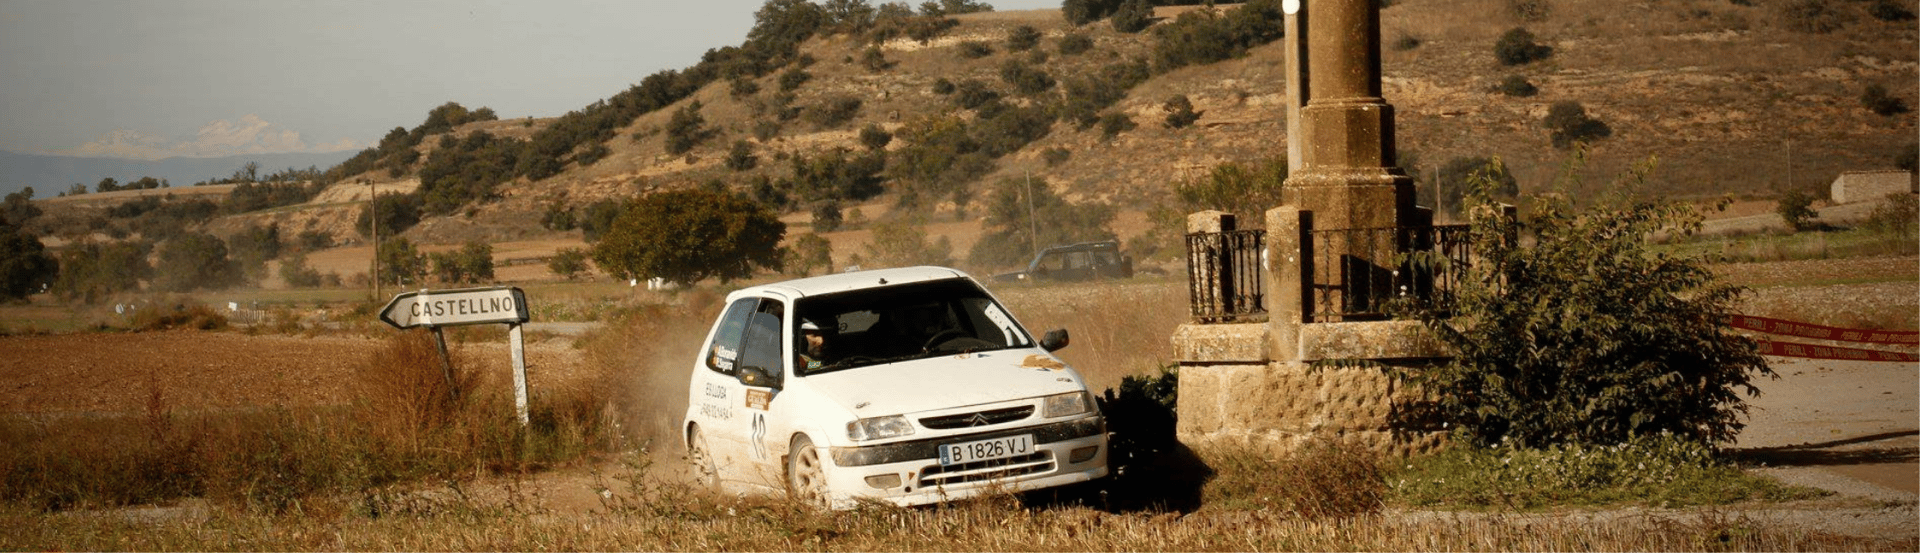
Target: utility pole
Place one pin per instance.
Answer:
(373, 220)
(1033, 226)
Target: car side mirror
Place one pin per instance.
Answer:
(757, 377)
(1055, 340)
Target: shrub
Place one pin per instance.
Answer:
(91, 272)
(826, 216)
(1082, 12)
(1132, 16)
(810, 251)
(1517, 47)
(1876, 99)
(942, 86)
(974, 49)
(1114, 123)
(1023, 38)
(875, 60)
(1516, 86)
(1898, 215)
(397, 212)
(177, 316)
(568, 263)
(455, 177)
(1656, 469)
(295, 271)
(1016, 209)
(1206, 36)
(686, 236)
(875, 138)
(472, 263)
(903, 243)
(1455, 180)
(1406, 42)
(686, 129)
(1570, 125)
(1796, 208)
(1530, 10)
(740, 157)
(972, 94)
(1245, 190)
(742, 87)
(1180, 112)
(833, 111)
(1073, 44)
(1812, 16)
(1890, 10)
(1056, 155)
(25, 265)
(1587, 336)
(597, 218)
(1024, 78)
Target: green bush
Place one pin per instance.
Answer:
(1180, 111)
(1530, 10)
(1796, 208)
(401, 263)
(874, 60)
(1890, 10)
(1876, 99)
(453, 178)
(875, 138)
(1247, 191)
(1898, 214)
(568, 263)
(687, 129)
(903, 243)
(740, 157)
(942, 86)
(1056, 155)
(1201, 37)
(296, 273)
(826, 216)
(25, 266)
(1812, 16)
(397, 212)
(1454, 183)
(1660, 470)
(1516, 86)
(92, 272)
(1586, 336)
(1024, 78)
(471, 264)
(1016, 209)
(194, 261)
(1132, 16)
(1073, 44)
(1517, 47)
(833, 111)
(1023, 38)
(974, 94)
(974, 49)
(1114, 123)
(1570, 125)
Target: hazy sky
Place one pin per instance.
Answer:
(215, 77)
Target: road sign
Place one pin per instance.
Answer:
(436, 308)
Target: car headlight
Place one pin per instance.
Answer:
(876, 428)
(1070, 403)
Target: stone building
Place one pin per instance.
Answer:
(1869, 186)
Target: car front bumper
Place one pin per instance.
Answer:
(910, 473)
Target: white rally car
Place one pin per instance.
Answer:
(909, 386)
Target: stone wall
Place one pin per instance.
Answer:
(1869, 186)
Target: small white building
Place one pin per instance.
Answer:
(1867, 186)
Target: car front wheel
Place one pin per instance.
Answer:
(806, 477)
(705, 473)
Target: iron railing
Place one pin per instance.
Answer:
(1372, 274)
(1226, 275)
(1349, 274)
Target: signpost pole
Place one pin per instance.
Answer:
(446, 364)
(519, 372)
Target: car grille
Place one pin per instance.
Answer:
(982, 418)
(948, 475)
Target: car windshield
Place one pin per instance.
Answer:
(895, 323)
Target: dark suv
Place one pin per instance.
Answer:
(1084, 261)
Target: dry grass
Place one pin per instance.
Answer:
(1119, 328)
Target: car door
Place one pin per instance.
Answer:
(715, 394)
(760, 355)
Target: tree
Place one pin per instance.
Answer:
(686, 236)
(1587, 336)
(1517, 47)
(398, 212)
(686, 129)
(1876, 99)
(810, 251)
(597, 218)
(1455, 181)
(472, 263)
(903, 243)
(1017, 209)
(18, 207)
(90, 272)
(401, 262)
(25, 265)
(1796, 208)
(296, 273)
(194, 261)
(740, 157)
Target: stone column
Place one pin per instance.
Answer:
(1347, 178)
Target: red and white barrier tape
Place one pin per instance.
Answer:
(1789, 349)
(1805, 330)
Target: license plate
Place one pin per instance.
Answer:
(986, 450)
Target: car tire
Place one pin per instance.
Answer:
(706, 474)
(806, 476)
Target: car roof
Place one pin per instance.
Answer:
(841, 282)
(1104, 244)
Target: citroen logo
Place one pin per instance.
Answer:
(978, 419)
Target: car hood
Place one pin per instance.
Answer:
(947, 381)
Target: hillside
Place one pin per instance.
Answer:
(1724, 95)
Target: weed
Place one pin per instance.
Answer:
(1661, 470)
